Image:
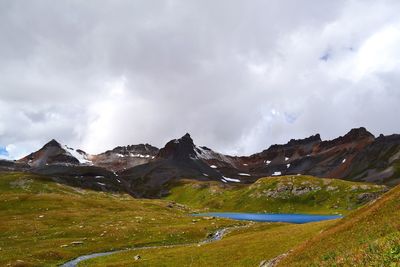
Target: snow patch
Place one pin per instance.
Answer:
(243, 174)
(343, 161)
(288, 165)
(277, 173)
(204, 153)
(205, 174)
(231, 179)
(267, 162)
(140, 155)
(244, 164)
(208, 154)
(99, 176)
(101, 184)
(223, 181)
(286, 158)
(213, 166)
(80, 157)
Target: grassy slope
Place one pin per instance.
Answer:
(368, 237)
(39, 219)
(243, 247)
(329, 196)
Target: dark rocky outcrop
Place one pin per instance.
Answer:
(178, 149)
(177, 159)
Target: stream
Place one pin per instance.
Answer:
(218, 235)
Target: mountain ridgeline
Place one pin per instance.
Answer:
(146, 171)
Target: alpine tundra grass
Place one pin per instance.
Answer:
(43, 223)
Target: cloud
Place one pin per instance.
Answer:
(11, 152)
(238, 76)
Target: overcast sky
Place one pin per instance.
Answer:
(238, 75)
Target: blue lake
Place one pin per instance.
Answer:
(271, 217)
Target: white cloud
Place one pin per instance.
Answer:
(379, 53)
(15, 152)
(238, 76)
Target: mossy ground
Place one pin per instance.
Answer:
(43, 223)
(276, 195)
(39, 220)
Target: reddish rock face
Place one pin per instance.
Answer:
(356, 138)
(50, 153)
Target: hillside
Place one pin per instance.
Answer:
(44, 223)
(67, 222)
(368, 237)
(276, 195)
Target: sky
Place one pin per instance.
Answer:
(237, 75)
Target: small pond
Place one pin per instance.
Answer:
(271, 217)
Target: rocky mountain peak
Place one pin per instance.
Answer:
(182, 148)
(52, 152)
(312, 139)
(186, 138)
(52, 143)
(300, 146)
(355, 135)
(141, 149)
(358, 133)
(358, 136)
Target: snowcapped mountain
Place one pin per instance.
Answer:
(144, 170)
(55, 153)
(119, 158)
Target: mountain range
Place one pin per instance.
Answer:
(146, 171)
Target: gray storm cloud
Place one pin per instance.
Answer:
(237, 75)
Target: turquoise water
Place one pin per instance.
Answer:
(272, 217)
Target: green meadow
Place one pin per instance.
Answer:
(44, 223)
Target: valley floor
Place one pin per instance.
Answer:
(242, 247)
(43, 223)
